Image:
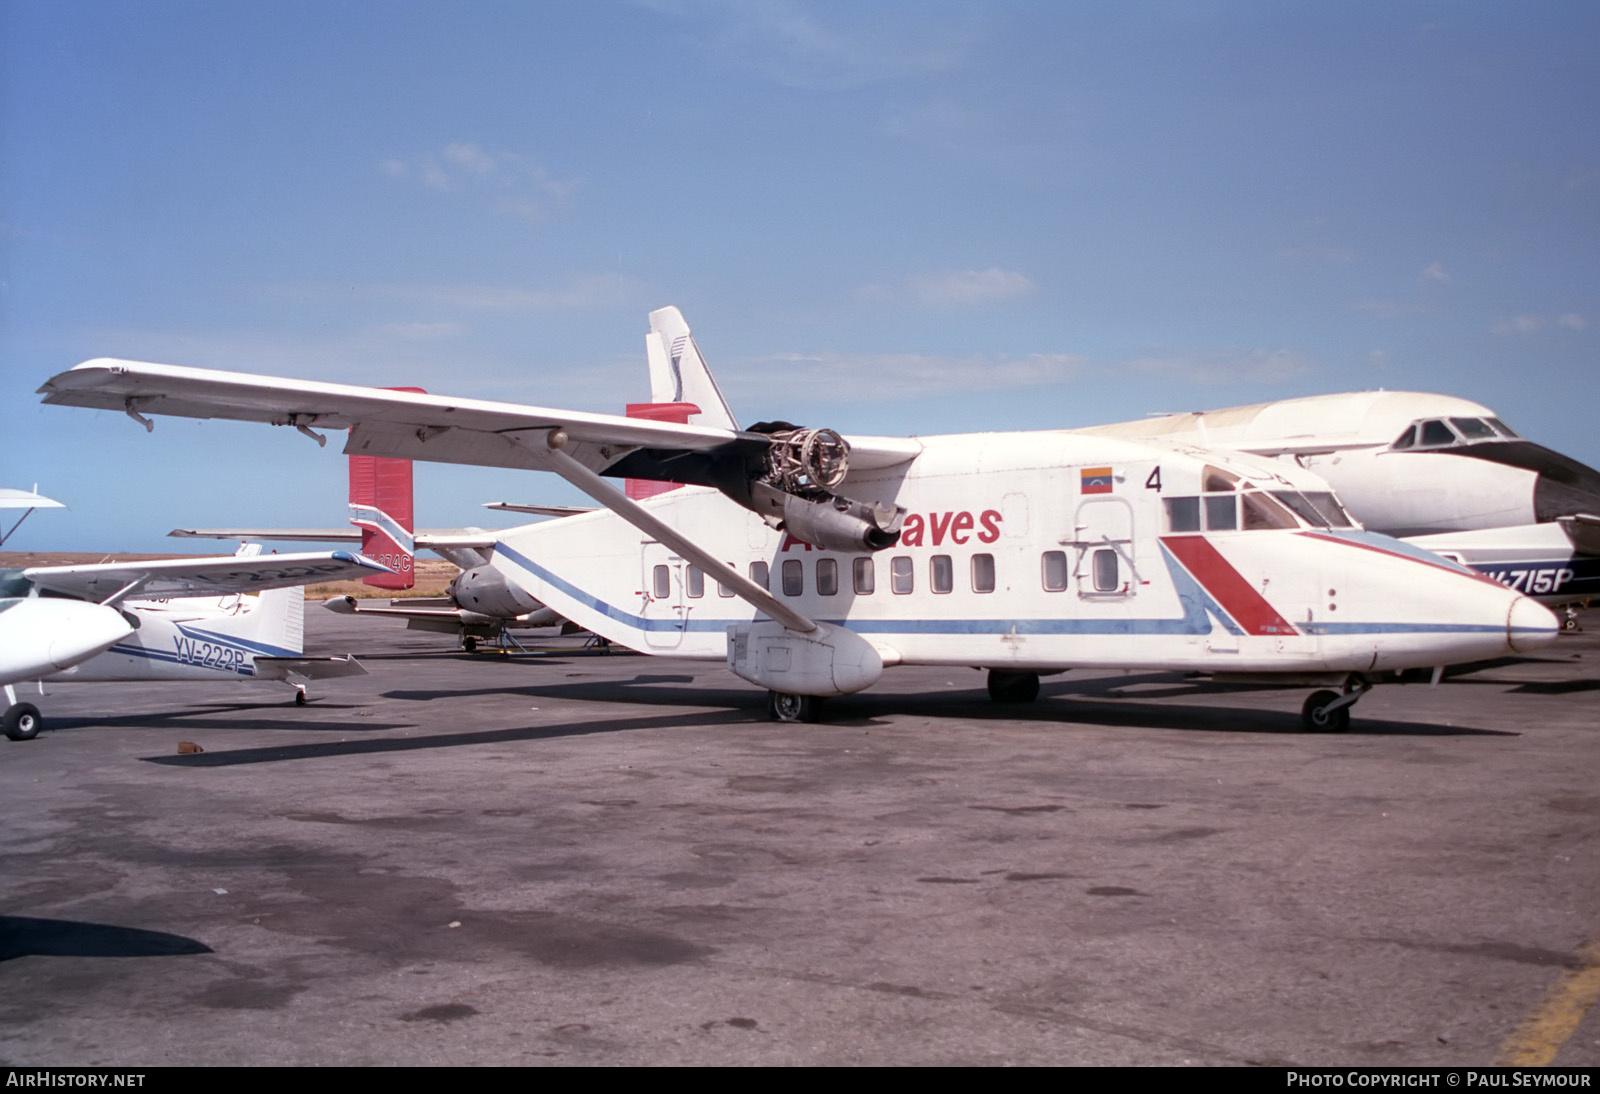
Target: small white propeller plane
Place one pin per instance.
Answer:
(811, 561)
(164, 619)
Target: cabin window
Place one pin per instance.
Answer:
(983, 573)
(900, 578)
(661, 582)
(759, 574)
(1054, 571)
(723, 590)
(1222, 513)
(1107, 572)
(1183, 514)
(827, 577)
(794, 582)
(941, 573)
(863, 576)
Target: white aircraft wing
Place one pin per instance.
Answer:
(538, 510)
(108, 582)
(414, 426)
(465, 537)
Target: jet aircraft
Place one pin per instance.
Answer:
(167, 619)
(1021, 553)
(1445, 473)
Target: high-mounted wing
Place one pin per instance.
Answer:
(785, 473)
(109, 582)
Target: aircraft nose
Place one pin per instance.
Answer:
(1564, 487)
(1530, 625)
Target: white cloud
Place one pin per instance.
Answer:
(581, 291)
(1435, 272)
(876, 377)
(1228, 366)
(510, 182)
(1533, 324)
(940, 287)
(786, 42)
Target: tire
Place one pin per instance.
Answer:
(300, 699)
(782, 707)
(469, 643)
(1013, 687)
(22, 722)
(1315, 717)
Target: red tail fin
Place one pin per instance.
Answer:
(381, 506)
(638, 489)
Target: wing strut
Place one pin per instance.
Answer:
(641, 518)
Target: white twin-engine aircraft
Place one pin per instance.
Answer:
(166, 619)
(811, 561)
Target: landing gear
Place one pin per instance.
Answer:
(22, 722)
(1320, 715)
(782, 707)
(469, 643)
(300, 699)
(1013, 687)
(1570, 623)
(1329, 712)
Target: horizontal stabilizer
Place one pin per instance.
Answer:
(291, 669)
(179, 577)
(1583, 529)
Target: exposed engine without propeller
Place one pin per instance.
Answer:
(794, 491)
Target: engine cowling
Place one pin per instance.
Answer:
(485, 590)
(839, 524)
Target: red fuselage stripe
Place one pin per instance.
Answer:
(1227, 586)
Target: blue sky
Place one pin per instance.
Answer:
(884, 217)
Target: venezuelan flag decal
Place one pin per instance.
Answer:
(1227, 586)
(1094, 480)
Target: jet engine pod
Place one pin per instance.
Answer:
(485, 589)
(828, 661)
(839, 524)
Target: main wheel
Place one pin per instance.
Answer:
(1317, 718)
(22, 722)
(470, 644)
(300, 698)
(1013, 687)
(783, 707)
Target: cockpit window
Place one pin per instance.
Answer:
(1435, 434)
(12, 583)
(1320, 509)
(1473, 429)
(1261, 511)
(1451, 432)
(1216, 478)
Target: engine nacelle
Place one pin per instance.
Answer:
(828, 661)
(839, 524)
(485, 589)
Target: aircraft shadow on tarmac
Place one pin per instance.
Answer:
(23, 936)
(370, 746)
(1093, 702)
(303, 720)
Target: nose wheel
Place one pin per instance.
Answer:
(1328, 711)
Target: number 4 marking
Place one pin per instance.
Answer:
(1154, 481)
